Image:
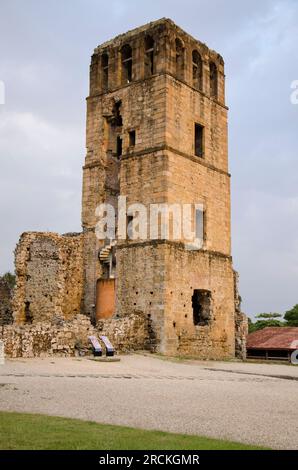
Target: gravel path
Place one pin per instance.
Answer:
(253, 403)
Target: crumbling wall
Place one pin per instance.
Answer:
(241, 323)
(5, 302)
(49, 283)
(187, 272)
(47, 338)
(131, 333)
(68, 338)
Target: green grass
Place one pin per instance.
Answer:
(35, 432)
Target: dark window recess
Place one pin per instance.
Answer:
(119, 146)
(117, 118)
(132, 138)
(149, 56)
(129, 226)
(199, 133)
(126, 55)
(197, 71)
(201, 306)
(179, 59)
(213, 80)
(105, 71)
(28, 315)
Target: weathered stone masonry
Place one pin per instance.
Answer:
(70, 338)
(6, 292)
(49, 269)
(156, 133)
(163, 98)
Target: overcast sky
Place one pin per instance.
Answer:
(45, 49)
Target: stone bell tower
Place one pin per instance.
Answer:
(157, 134)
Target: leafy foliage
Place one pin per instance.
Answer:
(264, 320)
(291, 316)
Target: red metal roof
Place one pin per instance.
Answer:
(274, 338)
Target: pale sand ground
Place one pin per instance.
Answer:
(228, 400)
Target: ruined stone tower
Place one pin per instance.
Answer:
(156, 137)
(157, 133)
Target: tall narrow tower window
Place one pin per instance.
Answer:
(213, 80)
(149, 56)
(126, 58)
(197, 73)
(132, 138)
(199, 140)
(105, 71)
(119, 146)
(179, 59)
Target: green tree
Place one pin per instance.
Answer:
(251, 325)
(10, 279)
(291, 316)
(264, 320)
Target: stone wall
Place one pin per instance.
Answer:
(141, 283)
(49, 277)
(188, 271)
(159, 280)
(131, 333)
(164, 33)
(6, 291)
(241, 323)
(70, 338)
(46, 338)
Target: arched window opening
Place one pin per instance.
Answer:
(126, 59)
(213, 80)
(179, 59)
(105, 71)
(149, 56)
(197, 70)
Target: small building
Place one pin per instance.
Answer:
(272, 343)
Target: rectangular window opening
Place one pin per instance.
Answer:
(105, 78)
(119, 146)
(28, 315)
(149, 62)
(199, 144)
(201, 306)
(132, 138)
